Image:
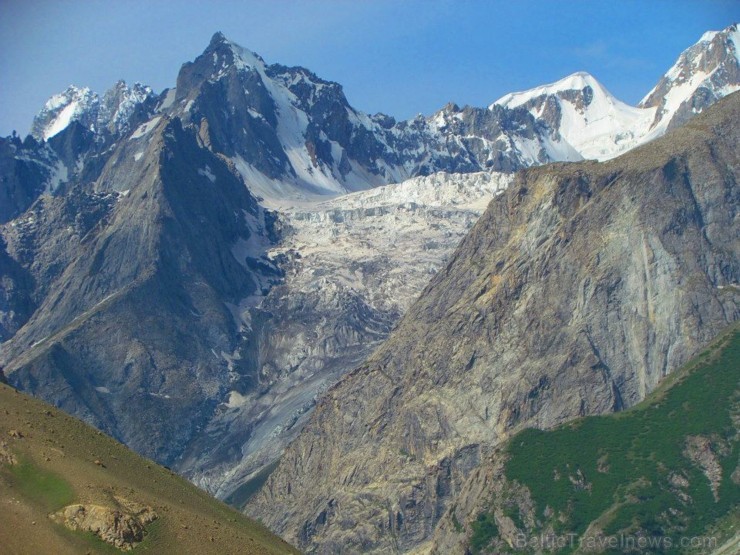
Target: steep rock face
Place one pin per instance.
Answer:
(580, 288)
(130, 310)
(624, 466)
(27, 169)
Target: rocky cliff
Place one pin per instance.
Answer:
(129, 294)
(577, 292)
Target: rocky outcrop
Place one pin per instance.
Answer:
(577, 292)
(702, 451)
(123, 527)
(6, 455)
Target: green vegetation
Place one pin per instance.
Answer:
(644, 472)
(42, 487)
(50, 460)
(484, 528)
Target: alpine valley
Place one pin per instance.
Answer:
(337, 321)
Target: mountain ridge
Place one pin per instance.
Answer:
(577, 291)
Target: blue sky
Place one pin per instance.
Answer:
(401, 57)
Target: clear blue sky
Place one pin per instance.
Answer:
(401, 57)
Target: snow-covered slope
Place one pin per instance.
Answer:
(584, 120)
(704, 73)
(112, 113)
(353, 266)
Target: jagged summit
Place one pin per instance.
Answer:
(294, 135)
(703, 73)
(111, 113)
(218, 37)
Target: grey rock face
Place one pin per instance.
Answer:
(579, 289)
(26, 171)
(131, 306)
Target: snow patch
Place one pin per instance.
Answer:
(61, 122)
(206, 172)
(58, 176)
(169, 99)
(145, 128)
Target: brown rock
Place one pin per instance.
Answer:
(122, 527)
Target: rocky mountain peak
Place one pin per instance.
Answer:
(579, 81)
(74, 104)
(218, 38)
(703, 73)
(111, 114)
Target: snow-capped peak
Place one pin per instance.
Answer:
(60, 110)
(577, 81)
(703, 73)
(582, 116)
(86, 107)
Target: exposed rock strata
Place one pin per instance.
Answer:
(577, 291)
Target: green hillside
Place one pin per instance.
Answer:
(662, 477)
(49, 461)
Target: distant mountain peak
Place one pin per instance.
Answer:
(577, 81)
(86, 107)
(74, 104)
(703, 73)
(218, 37)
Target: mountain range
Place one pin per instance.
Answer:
(192, 271)
(577, 292)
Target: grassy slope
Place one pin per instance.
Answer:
(56, 466)
(626, 459)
